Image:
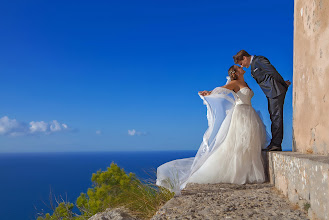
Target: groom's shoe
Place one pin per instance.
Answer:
(272, 148)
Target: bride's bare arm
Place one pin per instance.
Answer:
(231, 85)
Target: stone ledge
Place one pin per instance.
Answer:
(229, 201)
(303, 179)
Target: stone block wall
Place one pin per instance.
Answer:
(311, 77)
(303, 178)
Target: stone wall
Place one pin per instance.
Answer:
(303, 178)
(311, 81)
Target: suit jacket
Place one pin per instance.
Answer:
(268, 78)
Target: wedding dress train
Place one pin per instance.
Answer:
(231, 147)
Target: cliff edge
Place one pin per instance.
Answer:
(230, 201)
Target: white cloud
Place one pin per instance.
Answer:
(11, 127)
(38, 126)
(133, 132)
(55, 126)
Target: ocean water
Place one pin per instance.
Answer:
(28, 178)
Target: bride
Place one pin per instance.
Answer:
(231, 147)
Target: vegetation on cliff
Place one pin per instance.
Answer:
(113, 188)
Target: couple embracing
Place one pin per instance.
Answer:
(231, 148)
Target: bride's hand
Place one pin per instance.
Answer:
(205, 93)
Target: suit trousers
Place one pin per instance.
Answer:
(275, 108)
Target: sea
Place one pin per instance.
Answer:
(27, 180)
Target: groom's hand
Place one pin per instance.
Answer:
(288, 82)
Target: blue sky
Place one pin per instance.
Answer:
(124, 75)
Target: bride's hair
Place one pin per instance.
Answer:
(232, 73)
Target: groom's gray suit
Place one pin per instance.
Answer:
(275, 88)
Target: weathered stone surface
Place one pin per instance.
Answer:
(113, 214)
(303, 178)
(311, 77)
(229, 201)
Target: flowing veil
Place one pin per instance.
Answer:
(175, 174)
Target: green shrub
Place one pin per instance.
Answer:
(114, 188)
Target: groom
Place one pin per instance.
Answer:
(273, 86)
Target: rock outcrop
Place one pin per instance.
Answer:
(113, 214)
(230, 201)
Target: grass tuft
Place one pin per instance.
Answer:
(307, 206)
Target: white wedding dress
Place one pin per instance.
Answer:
(231, 147)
